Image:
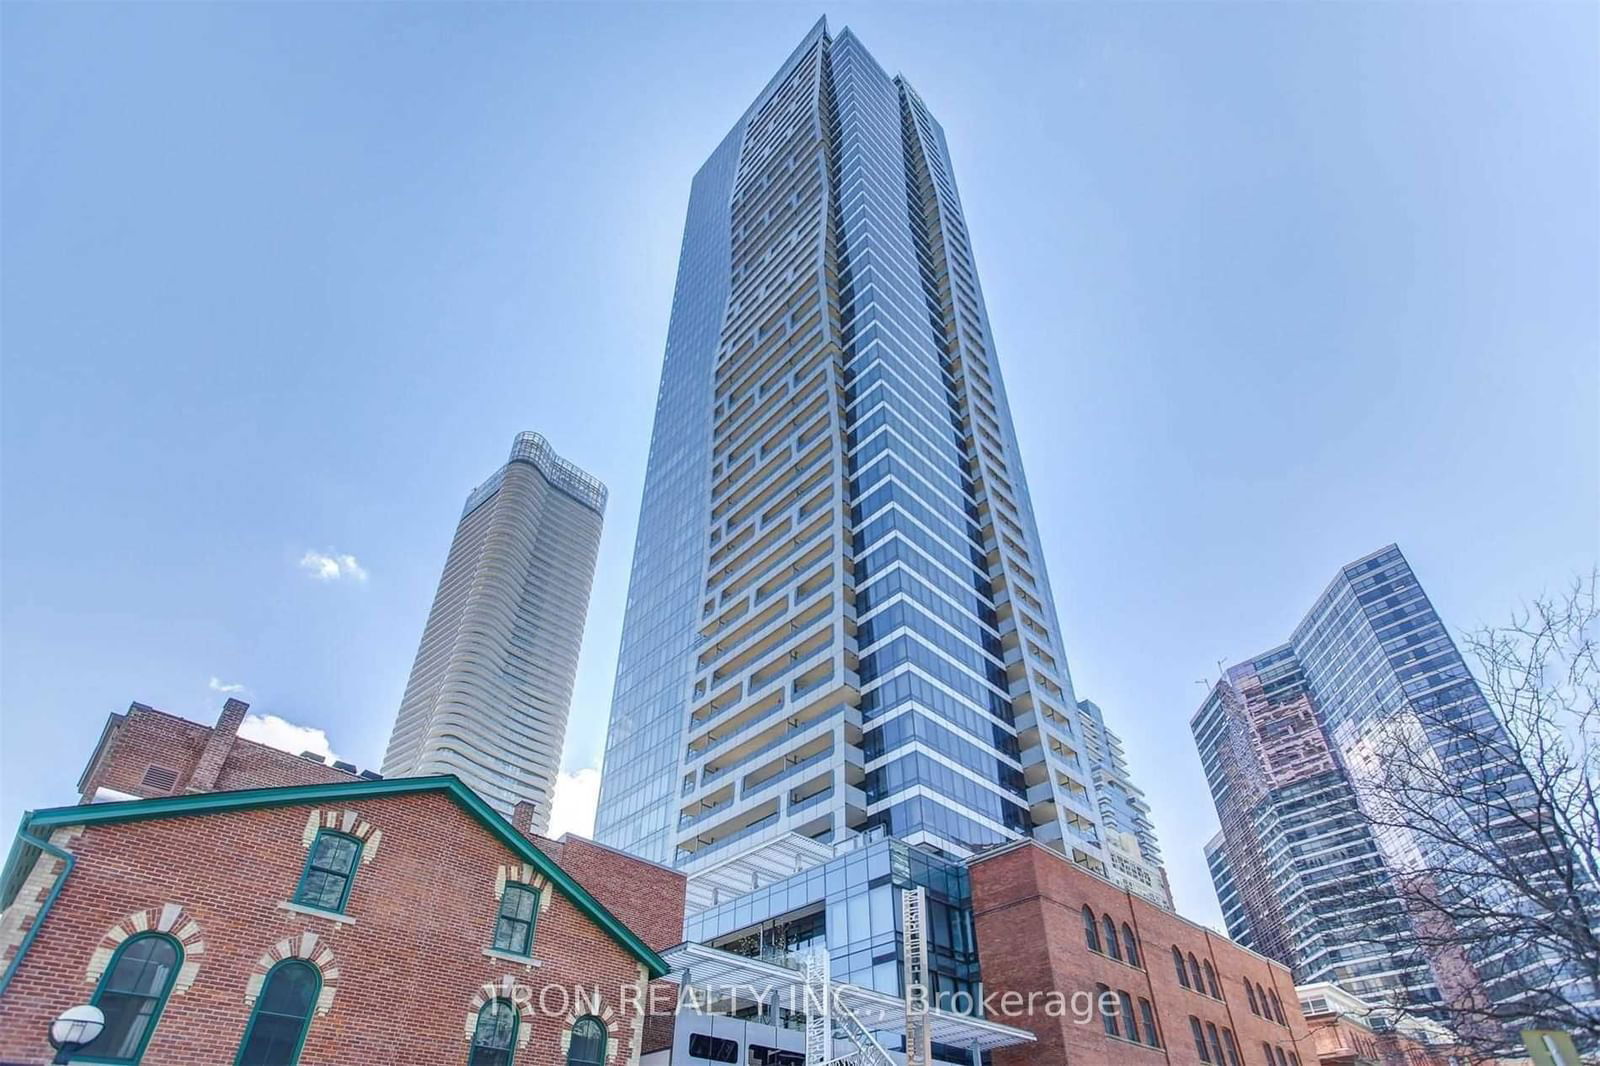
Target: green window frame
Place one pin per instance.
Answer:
(133, 992)
(329, 872)
(519, 914)
(281, 1019)
(588, 1045)
(494, 1037)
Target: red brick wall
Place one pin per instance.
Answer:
(1027, 903)
(408, 968)
(648, 898)
(136, 741)
(146, 737)
(660, 1026)
(1339, 1041)
(253, 765)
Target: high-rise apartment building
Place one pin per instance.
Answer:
(491, 687)
(839, 615)
(1233, 915)
(1302, 871)
(1132, 853)
(1297, 866)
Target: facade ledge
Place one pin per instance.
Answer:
(1162, 1051)
(316, 912)
(510, 956)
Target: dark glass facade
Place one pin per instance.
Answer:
(851, 904)
(645, 738)
(1305, 875)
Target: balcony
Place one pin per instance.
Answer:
(750, 787)
(738, 759)
(763, 822)
(696, 817)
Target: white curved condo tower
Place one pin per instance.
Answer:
(491, 687)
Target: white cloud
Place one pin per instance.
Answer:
(577, 796)
(218, 685)
(332, 566)
(275, 732)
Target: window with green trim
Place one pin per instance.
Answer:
(494, 1039)
(132, 993)
(519, 910)
(588, 1047)
(330, 871)
(278, 1025)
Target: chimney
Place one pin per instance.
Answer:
(209, 766)
(522, 816)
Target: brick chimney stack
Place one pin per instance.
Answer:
(226, 731)
(522, 816)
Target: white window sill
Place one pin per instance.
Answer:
(317, 912)
(506, 956)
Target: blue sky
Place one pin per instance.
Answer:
(1272, 286)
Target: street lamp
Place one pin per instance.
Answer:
(76, 1028)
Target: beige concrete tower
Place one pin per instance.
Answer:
(492, 683)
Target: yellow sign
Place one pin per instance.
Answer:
(1550, 1047)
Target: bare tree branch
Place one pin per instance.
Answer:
(1489, 814)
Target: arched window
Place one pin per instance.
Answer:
(278, 1025)
(1194, 972)
(1091, 929)
(1130, 946)
(1266, 1049)
(1199, 1039)
(1250, 994)
(1232, 1046)
(1106, 1004)
(1151, 1035)
(1216, 1044)
(1110, 925)
(330, 870)
(494, 1039)
(1211, 980)
(1277, 1010)
(588, 1046)
(1129, 1021)
(1177, 964)
(132, 993)
(1266, 1008)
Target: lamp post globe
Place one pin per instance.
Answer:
(75, 1028)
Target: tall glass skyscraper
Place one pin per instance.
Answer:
(491, 687)
(1302, 873)
(839, 615)
(1297, 868)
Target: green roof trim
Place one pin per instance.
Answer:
(26, 851)
(298, 795)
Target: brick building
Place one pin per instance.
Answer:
(145, 752)
(1144, 985)
(208, 881)
(1342, 1030)
(385, 922)
(647, 897)
(1346, 1040)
